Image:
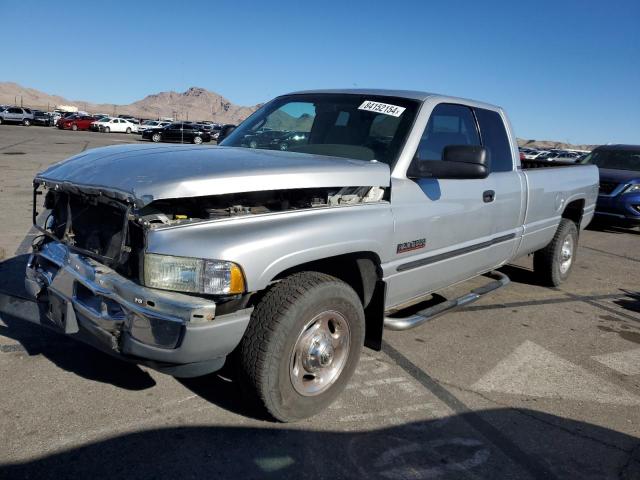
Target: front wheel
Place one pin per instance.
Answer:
(156, 137)
(128, 130)
(553, 264)
(74, 127)
(197, 140)
(107, 130)
(26, 122)
(302, 345)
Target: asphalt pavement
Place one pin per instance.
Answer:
(530, 382)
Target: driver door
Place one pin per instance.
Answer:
(443, 226)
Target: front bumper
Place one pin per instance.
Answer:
(175, 333)
(621, 208)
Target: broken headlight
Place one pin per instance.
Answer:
(195, 275)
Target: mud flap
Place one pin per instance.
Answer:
(374, 316)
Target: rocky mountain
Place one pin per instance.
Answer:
(194, 104)
(546, 144)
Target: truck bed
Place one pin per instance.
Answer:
(529, 164)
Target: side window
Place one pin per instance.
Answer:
(449, 124)
(186, 126)
(495, 140)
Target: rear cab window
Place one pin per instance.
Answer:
(495, 140)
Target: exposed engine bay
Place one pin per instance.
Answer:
(111, 229)
(216, 207)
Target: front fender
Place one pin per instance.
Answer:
(266, 245)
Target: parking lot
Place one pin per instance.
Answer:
(530, 382)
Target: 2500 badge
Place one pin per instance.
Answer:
(412, 245)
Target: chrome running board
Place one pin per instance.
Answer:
(417, 319)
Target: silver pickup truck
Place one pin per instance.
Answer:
(289, 260)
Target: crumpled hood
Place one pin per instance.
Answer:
(150, 172)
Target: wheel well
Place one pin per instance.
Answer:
(361, 270)
(573, 211)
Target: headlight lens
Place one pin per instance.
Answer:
(196, 275)
(633, 188)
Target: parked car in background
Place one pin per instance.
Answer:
(289, 140)
(95, 126)
(119, 125)
(16, 115)
(42, 118)
(224, 132)
(152, 124)
(536, 155)
(76, 122)
(261, 138)
(181, 132)
(619, 195)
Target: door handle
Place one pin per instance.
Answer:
(488, 196)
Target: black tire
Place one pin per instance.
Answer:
(266, 352)
(548, 262)
(1, 120)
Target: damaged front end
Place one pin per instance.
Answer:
(93, 278)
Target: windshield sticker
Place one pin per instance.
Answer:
(384, 108)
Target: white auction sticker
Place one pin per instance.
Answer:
(378, 107)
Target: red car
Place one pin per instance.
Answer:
(76, 122)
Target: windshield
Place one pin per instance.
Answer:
(615, 159)
(362, 127)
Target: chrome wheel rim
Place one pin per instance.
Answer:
(155, 138)
(253, 144)
(320, 353)
(566, 254)
(197, 140)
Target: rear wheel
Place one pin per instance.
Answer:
(284, 146)
(128, 130)
(26, 122)
(197, 140)
(302, 345)
(74, 127)
(253, 144)
(553, 264)
(107, 130)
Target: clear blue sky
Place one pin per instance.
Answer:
(564, 70)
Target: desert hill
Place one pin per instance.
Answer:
(194, 104)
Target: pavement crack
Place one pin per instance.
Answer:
(535, 417)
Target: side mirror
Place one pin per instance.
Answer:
(225, 131)
(458, 162)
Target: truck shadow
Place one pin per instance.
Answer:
(530, 444)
